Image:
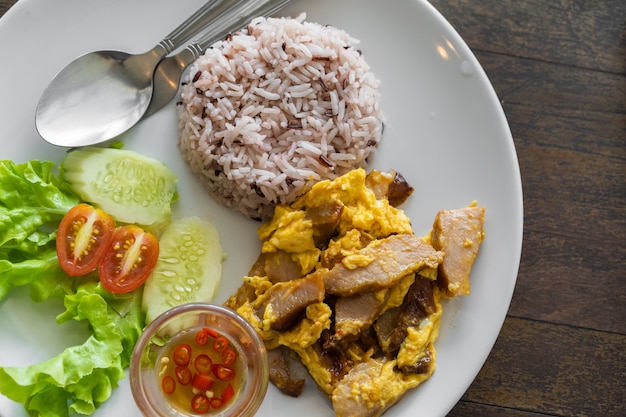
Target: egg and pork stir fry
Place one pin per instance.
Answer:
(343, 283)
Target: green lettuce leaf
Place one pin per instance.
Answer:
(82, 377)
(33, 200)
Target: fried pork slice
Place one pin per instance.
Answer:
(458, 233)
(245, 293)
(350, 400)
(390, 185)
(372, 386)
(280, 372)
(355, 313)
(284, 303)
(424, 364)
(385, 325)
(399, 190)
(328, 363)
(279, 267)
(419, 303)
(381, 265)
(325, 219)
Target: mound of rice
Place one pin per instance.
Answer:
(275, 107)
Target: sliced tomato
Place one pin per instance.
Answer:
(83, 238)
(129, 260)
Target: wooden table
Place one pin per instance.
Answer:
(559, 68)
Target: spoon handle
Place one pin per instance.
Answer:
(195, 23)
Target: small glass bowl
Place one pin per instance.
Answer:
(146, 366)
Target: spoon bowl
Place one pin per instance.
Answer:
(97, 97)
(101, 94)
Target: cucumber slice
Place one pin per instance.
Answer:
(189, 268)
(129, 186)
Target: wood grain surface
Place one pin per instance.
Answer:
(559, 69)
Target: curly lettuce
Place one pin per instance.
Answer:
(83, 376)
(33, 200)
(32, 203)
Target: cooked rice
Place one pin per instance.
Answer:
(275, 107)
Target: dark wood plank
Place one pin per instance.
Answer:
(569, 128)
(555, 370)
(578, 33)
(572, 282)
(574, 259)
(469, 409)
(549, 85)
(6, 5)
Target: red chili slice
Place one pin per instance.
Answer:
(216, 402)
(182, 355)
(200, 403)
(202, 337)
(203, 364)
(183, 375)
(202, 382)
(220, 344)
(168, 384)
(228, 394)
(223, 372)
(210, 332)
(228, 357)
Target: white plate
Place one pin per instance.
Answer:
(445, 131)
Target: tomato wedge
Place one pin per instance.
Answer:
(83, 238)
(129, 259)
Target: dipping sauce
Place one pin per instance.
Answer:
(199, 359)
(200, 370)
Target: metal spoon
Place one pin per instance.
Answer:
(102, 94)
(170, 70)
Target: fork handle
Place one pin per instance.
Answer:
(196, 23)
(234, 18)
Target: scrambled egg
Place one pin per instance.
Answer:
(292, 231)
(362, 363)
